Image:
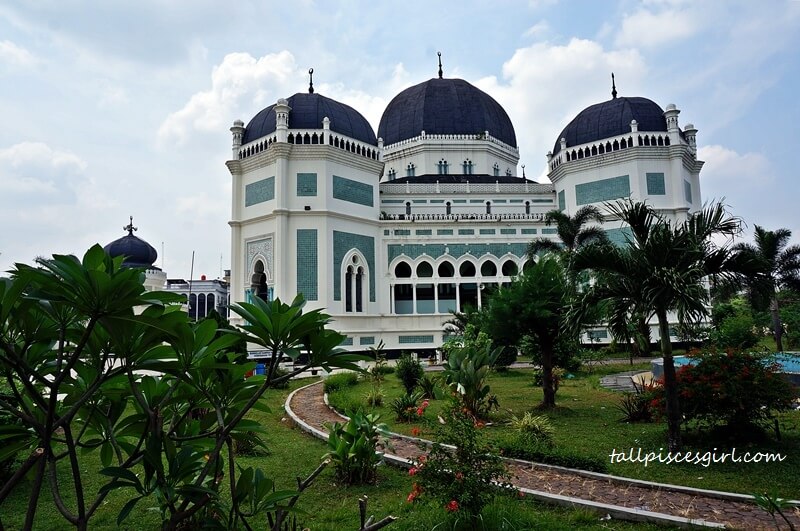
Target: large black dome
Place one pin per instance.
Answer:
(137, 252)
(444, 107)
(308, 111)
(612, 118)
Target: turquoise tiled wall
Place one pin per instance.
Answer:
(508, 231)
(306, 184)
(344, 242)
(655, 184)
(562, 200)
(487, 231)
(466, 232)
(529, 231)
(597, 334)
(456, 250)
(603, 190)
(352, 191)
(687, 191)
(619, 236)
(307, 264)
(444, 232)
(423, 232)
(402, 232)
(549, 231)
(392, 201)
(404, 340)
(259, 191)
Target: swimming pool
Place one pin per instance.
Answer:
(789, 362)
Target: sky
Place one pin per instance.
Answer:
(115, 109)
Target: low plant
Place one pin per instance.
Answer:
(375, 396)
(409, 371)
(637, 406)
(427, 386)
(377, 372)
(463, 477)
(352, 448)
(465, 373)
(771, 503)
(516, 447)
(535, 429)
(249, 444)
(409, 408)
(339, 381)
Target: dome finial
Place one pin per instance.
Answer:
(440, 64)
(311, 81)
(130, 228)
(613, 87)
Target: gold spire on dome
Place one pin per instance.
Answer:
(311, 81)
(130, 228)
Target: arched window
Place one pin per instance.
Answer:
(360, 289)
(467, 167)
(496, 169)
(192, 306)
(201, 306)
(410, 170)
(449, 208)
(402, 270)
(467, 269)
(210, 303)
(527, 207)
(446, 270)
(510, 268)
(508, 172)
(424, 270)
(348, 289)
(258, 282)
(488, 269)
(408, 208)
(392, 174)
(443, 167)
(488, 207)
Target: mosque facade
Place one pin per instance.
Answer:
(390, 232)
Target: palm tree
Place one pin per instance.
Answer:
(662, 270)
(768, 266)
(572, 231)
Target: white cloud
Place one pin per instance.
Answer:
(545, 85)
(16, 55)
(647, 29)
(240, 79)
(538, 30)
(35, 168)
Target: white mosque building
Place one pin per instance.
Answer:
(388, 233)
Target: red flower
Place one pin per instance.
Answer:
(412, 496)
(415, 431)
(412, 471)
(425, 403)
(452, 506)
(420, 411)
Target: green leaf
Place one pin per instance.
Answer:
(126, 509)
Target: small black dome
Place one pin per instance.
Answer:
(444, 107)
(137, 252)
(308, 111)
(612, 118)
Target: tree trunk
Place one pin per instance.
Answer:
(777, 326)
(670, 385)
(548, 387)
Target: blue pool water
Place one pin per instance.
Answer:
(789, 362)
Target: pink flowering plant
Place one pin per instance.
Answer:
(460, 474)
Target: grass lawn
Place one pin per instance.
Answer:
(327, 506)
(588, 424)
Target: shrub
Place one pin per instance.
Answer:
(249, 444)
(352, 448)
(374, 396)
(339, 381)
(735, 331)
(409, 371)
(465, 373)
(464, 478)
(344, 402)
(508, 355)
(407, 407)
(637, 406)
(533, 429)
(427, 386)
(548, 454)
(734, 389)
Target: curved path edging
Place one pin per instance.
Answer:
(617, 511)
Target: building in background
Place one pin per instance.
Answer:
(202, 295)
(388, 233)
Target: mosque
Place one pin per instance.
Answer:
(388, 233)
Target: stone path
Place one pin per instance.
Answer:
(621, 498)
(622, 381)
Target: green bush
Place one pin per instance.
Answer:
(533, 429)
(462, 479)
(427, 386)
(409, 371)
(249, 444)
(352, 448)
(735, 331)
(374, 396)
(566, 352)
(344, 402)
(407, 407)
(465, 373)
(508, 355)
(735, 389)
(637, 406)
(340, 380)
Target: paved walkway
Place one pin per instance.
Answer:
(625, 499)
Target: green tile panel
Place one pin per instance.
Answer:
(306, 184)
(423, 232)
(487, 231)
(402, 232)
(597, 334)
(259, 191)
(343, 242)
(444, 232)
(687, 191)
(549, 231)
(352, 191)
(392, 201)
(515, 201)
(499, 201)
(530, 231)
(437, 200)
(655, 184)
(477, 201)
(603, 190)
(307, 265)
(619, 236)
(387, 232)
(460, 201)
(466, 232)
(541, 200)
(508, 231)
(366, 340)
(562, 200)
(419, 200)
